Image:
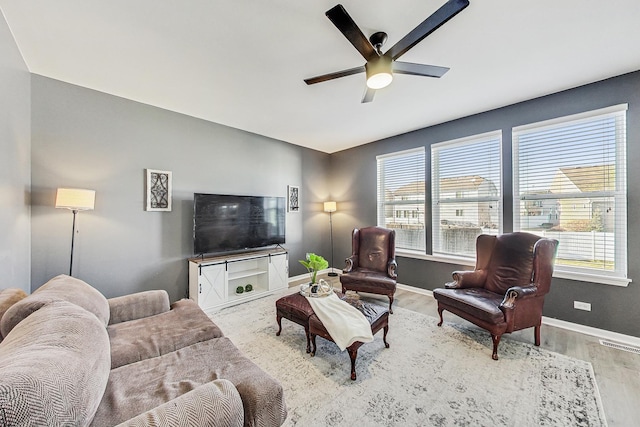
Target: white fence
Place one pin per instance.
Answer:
(410, 239)
(584, 246)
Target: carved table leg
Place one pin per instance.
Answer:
(313, 345)
(353, 353)
(384, 336)
(306, 331)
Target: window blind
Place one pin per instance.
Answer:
(466, 185)
(570, 184)
(401, 195)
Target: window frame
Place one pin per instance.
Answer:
(382, 204)
(619, 276)
(482, 138)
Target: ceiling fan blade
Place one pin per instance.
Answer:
(336, 75)
(368, 95)
(341, 19)
(428, 26)
(418, 69)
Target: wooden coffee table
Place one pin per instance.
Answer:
(376, 315)
(296, 308)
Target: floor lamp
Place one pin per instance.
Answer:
(75, 200)
(331, 208)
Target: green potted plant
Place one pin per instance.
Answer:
(313, 264)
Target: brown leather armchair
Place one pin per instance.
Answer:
(506, 291)
(372, 264)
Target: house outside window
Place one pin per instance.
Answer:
(401, 195)
(466, 185)
(570, 184)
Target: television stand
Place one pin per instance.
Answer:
(215, 282)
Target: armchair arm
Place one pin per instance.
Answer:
(392, 266)
(467, 279)
(351, 263)
(138, 306)
(216, 403)
(518, 293)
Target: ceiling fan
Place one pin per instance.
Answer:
(380, 67)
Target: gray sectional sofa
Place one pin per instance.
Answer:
(69, 356)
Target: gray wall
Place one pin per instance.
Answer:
(87, 139)
(15, 168)
(353, 175)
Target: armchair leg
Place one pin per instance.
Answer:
(440, 310)
(390, 302)
(537, 335)
(496, 341)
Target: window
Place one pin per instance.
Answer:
(570, 184)
(466, 185)
(401, 197)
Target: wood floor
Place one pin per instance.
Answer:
(617, 371)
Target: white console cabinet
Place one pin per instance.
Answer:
(213, 282)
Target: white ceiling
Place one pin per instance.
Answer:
(241, 63)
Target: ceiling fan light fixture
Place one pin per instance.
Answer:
(379, 74)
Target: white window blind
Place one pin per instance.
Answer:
(466, 185)
(401, 190)
(570, 184)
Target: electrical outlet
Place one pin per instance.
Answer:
(579, 305)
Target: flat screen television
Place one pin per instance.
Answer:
(227, 223)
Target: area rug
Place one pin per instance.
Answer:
(430, 375)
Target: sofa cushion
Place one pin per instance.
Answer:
(376, 281)
(215, 404)
(141, 386)
(138, 305)
(63, 288)
(478, 302)
(8, 297)
(54, 367)
(153, 336)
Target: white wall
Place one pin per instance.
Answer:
(15, 170)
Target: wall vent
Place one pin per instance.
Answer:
(619, 346)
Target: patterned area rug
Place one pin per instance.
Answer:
(429, 376)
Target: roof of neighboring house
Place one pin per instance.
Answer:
(458, 183)
(416, 187)
(592, 178)
(470, 182)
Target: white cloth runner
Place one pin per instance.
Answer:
(345, 323)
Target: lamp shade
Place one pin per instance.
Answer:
(75, 199)
(330, 206)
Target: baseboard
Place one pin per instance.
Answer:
(575, 327)
(420, 291)
(589, 330)
(305, 276)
